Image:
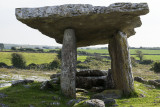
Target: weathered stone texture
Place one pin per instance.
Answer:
(94, 79)
(93, 24)
(69, 59)
(121, 63)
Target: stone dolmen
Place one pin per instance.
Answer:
(77, 25)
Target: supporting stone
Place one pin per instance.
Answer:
(69, 58)
(121, 63)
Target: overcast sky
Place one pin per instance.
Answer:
(13, 31)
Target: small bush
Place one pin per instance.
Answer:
(44, 66)
(133, 62)
(32, 66)
(55, 64)
(2, 65)
(59, 53)
(156, 67)
(146, 62)
(18, 60)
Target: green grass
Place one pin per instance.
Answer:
(149, 57)
(132, 51)
(81, 58)
(94, 50)
(151, 99)
(37, 58)
(19, 96)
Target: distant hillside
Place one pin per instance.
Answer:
(9, 46)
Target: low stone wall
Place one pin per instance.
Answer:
(92, 79)
(156, 83)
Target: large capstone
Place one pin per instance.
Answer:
(92, 24)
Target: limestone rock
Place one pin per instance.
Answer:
(73, 102)
(94, 103)
(121, 63)
(108, 94)
(55, 75)
(142, 95)
(94, 78)
(157, 81)
(18, 82)
(69, 58)
(5, 84)
(90, 78)
(56, 98)
(93, 24)
(97, 89)
(55, 104)
(109, 101)
(91, 73)
(150, 86)
(81, 90)
(55, 80)
(3, 105)
(26, 86)
(89, 82)
(109, 84)
(2, 95)
(152, 82)
(46, 85)
(30, 105)
(140, 79)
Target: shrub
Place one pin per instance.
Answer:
(40, 50)
(55, 64)
(146, 62)
(89, 59)
(29, 50)
(140, 55)
(32, 66)
(133, 62)
(82, 66)
(3, 65)
(97, 58)
(44, 66)
(156, 67)
(59, 53)
(18, 60)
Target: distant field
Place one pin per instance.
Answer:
(37, 58)
(132, 51)
(149, 57)
(94, 50)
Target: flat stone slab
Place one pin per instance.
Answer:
(92, 24)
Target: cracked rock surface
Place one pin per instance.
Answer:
(92, 24)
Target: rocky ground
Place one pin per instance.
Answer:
(36, 89)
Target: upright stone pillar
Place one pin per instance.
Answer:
(121, 63)
(69, 58)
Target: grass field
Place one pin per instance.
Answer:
(132, 51)
(37, 58)
(149, 57)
